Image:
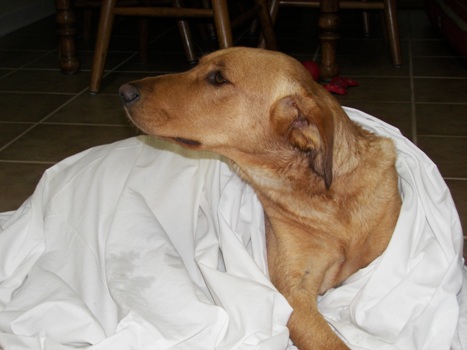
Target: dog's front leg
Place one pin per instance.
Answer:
(308, 329)
(298, 273)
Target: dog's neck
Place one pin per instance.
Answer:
(288, 187)
(292, 171)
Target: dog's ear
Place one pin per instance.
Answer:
(309, 128)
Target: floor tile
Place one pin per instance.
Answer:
(44, 81)
(394, 113)
(17, 183)
(31, 42)
(28, 107)
(404, 23)
(369, 48)
(92, 109)
(362, 65)
(5, 72)
(432, 47)
(440, 90)
(448, 153)
(53, 143)
(458, 190)
(50, 61)
(440, 67)
(381, 89)
(420, 26)
(9, 131)
(465, 250)
(441, 119)
(16, 59)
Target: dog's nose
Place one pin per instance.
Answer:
(129, 93)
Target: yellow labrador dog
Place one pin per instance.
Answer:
(328, 187)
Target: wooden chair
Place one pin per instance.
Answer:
(218, 10)
(329, 23)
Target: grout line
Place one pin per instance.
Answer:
(15, 69)
(119, 65)
(444, 136)
(11, 161)
(88, 124)
(38, 92)
(440, 103)
(18, 137)
(41, 120)
(440, 77)
(32, 123)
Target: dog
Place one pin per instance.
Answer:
(328, 187)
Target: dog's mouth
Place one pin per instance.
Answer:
(180, 140)
(186, 142)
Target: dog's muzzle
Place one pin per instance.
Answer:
(129, 94)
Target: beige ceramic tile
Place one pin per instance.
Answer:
(92, 109)
(381, 89)
(459, 194)
(394, 113)
(17, 183)
(448, 153)
(9, 131)
(444, 90)
(44, 81)
(29, 107)
(52, 143)
(441, 119)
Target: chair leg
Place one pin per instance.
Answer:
(66, 21)
(102, 44)
(267, 27)
(329, 35)
(273, 12)
(222, 21)
(185, 33)
(366, 23)
(393, 31)
(184, 29)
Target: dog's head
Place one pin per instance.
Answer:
(247, 104)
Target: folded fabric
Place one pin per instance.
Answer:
(143, 245)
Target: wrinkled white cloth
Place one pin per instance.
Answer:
(143, 245)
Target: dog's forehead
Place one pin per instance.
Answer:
(246, 57)
(282, 74)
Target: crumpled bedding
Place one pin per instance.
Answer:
(143, 245)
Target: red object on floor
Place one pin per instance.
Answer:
(339, 85)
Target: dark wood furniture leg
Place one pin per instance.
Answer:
(329, 25)
(66, 23)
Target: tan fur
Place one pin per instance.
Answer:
(328, 187)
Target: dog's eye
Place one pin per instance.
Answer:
(216, 78)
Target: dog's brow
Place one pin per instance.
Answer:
(220, 64)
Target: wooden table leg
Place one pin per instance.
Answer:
(66, 23)
(329, 25)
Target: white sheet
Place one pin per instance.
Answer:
(142, 245)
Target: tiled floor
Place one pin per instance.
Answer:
(46, 116)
